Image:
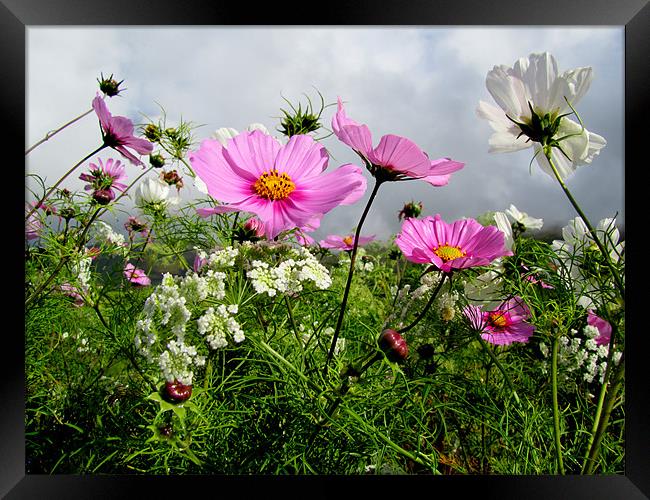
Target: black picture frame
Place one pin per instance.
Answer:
(634, 15)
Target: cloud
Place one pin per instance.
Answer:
(423, 83)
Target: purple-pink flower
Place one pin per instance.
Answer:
(344, 242)
(136, 276)
(283, 185)
(459, 245)
(103, 178)
(603, 326)
(395, 157)
(117, 132)
(73, 292)
(505, 324)
(33, 224)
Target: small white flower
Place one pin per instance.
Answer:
(523, 218)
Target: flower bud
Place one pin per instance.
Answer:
(410, 210)
(177, 392)
(157, 160)
(152, 132)
(109, 86)
(255, 227)
(103, 196)
(172, 178)
(393, 345)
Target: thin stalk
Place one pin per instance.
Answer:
(601, 397)
(128, 354)
(556, 412)
(617, 382)
(353, 258)
(592, 231)
(61, 263)
(500, 367)
(52, 133)
(427, 307)
(63, 178)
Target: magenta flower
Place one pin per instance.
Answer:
(134, 225)
(72, 292)
(117, 132)
(459, 245)
(136, 276)
(344, 242)
(532, 278)
(505, 324)
(103, 178)
(283, 185)
(603, 326)
(33, 224)
(255, 227)
(395, 157)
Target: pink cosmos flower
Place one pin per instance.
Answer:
(344, 242)
(603, 326)
(532, 278)
(255, 227)
(505, 324)
(105, 177)
(33, 224)
(136, 276)
(283, 185)
(459, 245)
(117, 132)
(72, 292)
(395, 157)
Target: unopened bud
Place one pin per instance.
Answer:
(393, 345)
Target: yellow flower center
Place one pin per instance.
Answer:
(447, 252)
(348, 240)
(498, 319)
(273, 185)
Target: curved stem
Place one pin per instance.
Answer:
(427, 307)
(617, 382)
(353, 257)
(592, 231)
(62, 179)
(556, 411)
(61, 263)
(52, 133)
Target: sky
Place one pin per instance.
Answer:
(423, 83)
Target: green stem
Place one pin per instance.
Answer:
(556, 411)
(52, 133)
(62, 262)
(62, 179)
(427, 307)
(499, 366)
(592, 231)
(617, 382)
(353, 257)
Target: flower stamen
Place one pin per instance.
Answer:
(497, 319)
(448, 252)
(273, 185)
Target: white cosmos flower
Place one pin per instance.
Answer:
(572, 253)
(535, 82)
(225, 133)
(503, 224)
(154, 191)
(523, 218)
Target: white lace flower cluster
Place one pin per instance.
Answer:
(577, 255)
(164, 333)
(580, 355)
(405, 300)
(290, 275)
(105, 235)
